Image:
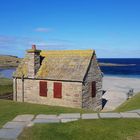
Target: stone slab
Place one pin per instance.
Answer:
(90, 116)
(46, 120)
(9, 134)
(15, 125)
(129, 115)
(23, 118)
(110, 115)
(68, 120)
(42, 116)
(135, 111)
(70, 116)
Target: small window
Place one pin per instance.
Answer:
(57, 90)
(93, 91)
(43, 88)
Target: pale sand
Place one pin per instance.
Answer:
(116, 89)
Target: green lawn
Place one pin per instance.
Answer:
(10, 109)
(131, 104)
(103, 129)
(6, 86)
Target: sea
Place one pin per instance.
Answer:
(131, 68)
(7, 73)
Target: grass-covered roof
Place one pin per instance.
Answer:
(60, 65)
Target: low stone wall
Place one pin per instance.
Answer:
(71, 93)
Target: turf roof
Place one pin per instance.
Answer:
(60, 65)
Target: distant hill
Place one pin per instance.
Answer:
(8, 61)
(113, 64)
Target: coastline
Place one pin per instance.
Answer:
(123, 76)
(114, 64)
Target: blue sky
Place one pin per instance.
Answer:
(111, 27)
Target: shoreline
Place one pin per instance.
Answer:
(114, 64)
(123, 76)
(7, 67)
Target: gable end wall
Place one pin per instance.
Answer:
(93, 74)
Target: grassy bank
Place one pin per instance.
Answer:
(103, 129)
(10, 109)
(107, 129)
(6, 86)
(131, 104)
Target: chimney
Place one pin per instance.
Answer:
(33, 47)
(33, 61)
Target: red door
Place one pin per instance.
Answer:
(57, 90)
(43, 88)
(93, 94)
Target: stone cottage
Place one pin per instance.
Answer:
(70, 78)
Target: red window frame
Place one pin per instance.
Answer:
(43, 88)
(57, 90)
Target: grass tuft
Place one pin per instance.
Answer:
(6, 86)
(102, 129)
(10, 109)
(131, 104)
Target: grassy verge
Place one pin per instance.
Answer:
(131, 104)
(10, 109)
(103, 129)
(6, 86)
(106, 129)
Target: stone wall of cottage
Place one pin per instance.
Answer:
(14, 89)
(94, 74)
(71, 93)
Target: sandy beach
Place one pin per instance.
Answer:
(116, 89)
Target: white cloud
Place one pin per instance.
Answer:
(41, 29)
(17, 45)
